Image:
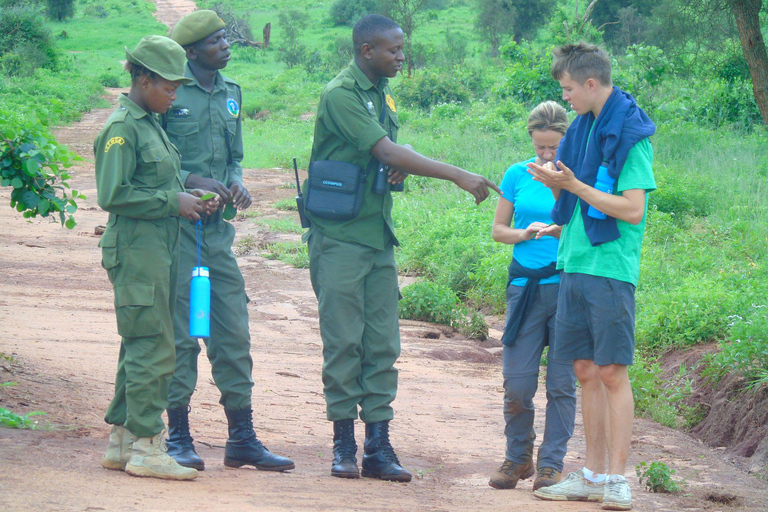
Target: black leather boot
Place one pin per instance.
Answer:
(379, 459)
(243, 448)
(179, 442)
(344, 450)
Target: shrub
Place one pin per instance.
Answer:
(431, 302)
(25, 42)
(348, 12)
(657, 477)
(59, 10)
(292, 22)
(33, 164)
(529, 78)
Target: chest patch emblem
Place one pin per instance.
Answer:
(180, 113)
(114, 140)
(233, 107)
(391, 103)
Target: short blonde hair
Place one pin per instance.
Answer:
(548, 116)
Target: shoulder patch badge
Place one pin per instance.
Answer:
(114, 140)
(233, 107)
(391, 103)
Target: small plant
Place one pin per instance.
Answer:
(286, 205)
(10, 419)
(431, 302)
(657, 477)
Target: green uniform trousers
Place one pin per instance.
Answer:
(229, 346)
(141, 259)
(357, 293)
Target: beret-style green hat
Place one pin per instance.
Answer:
(161, 55)
(196, 26)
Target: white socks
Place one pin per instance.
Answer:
(595, 478)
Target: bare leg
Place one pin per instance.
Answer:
(593, 411)
(620, 413)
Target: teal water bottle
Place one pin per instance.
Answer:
(605, 184)
(200, 304)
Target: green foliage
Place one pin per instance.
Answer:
(59, 10)
(528, 75)
(657, 477)
(292, 253)
(33, 164)
(432, 87)
(571, 25)
(348, 12)
(10, 419)
(431, 302)
(747, 355)
(292, 22)
(25, 41)
(495, 21)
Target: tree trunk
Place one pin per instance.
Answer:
(410, 54)
(747, 15)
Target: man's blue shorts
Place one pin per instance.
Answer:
(595, 319)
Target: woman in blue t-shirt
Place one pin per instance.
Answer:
(531, 305)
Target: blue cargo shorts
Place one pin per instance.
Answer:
(595, 319)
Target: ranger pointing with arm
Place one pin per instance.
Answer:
(352, 262)
(205, 124)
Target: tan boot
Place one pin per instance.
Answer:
(507, 476)
(149, 458)
(119, 449)
(546, 477)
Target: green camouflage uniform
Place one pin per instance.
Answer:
(352, 262)
(137, 178)
(207, 129)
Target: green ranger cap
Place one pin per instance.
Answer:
(196, 26)
(162, 56)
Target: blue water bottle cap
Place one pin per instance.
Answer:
(200, 271)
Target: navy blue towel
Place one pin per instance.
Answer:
(620, 125)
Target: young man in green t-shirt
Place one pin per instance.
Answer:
(599, 255)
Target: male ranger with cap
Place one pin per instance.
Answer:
(205, 124)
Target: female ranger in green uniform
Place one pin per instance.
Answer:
(138, 183)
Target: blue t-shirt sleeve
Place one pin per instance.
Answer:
(508, 184)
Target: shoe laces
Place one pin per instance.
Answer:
(508, 466)
(547, 472)
(386, 446)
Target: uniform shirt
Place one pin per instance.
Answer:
(620, 258)
(199, 124)
(533, 202)
(346, 129)
(137, 167)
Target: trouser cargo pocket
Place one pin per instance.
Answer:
(137, 314)
(108, 244)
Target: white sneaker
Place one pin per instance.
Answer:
(618, 495)
(573, 488)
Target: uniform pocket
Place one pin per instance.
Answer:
(137, 314)
(186, 137)
(157, 167)
(108, 244)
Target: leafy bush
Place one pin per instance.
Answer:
(657, 477)
(431, 302)
(747, 355)
(432, 86)
(292, 22)
(348, 12)
(529, 75)
(33, 164)
(722, 103)
(25, 42)
(59, 10)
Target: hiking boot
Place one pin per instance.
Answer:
(179, 442)
(546, 477)
(574, 488)
(149, 458)
(344, 449)
(244, 448)
(119, 449)
(507, 476)
(379, 459)
(617, 496)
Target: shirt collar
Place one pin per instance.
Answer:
(362, 80)
(218, 81)
(127, 103)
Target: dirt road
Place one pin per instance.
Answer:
(61, 345)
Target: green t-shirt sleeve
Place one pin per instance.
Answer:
(638, 169)
(349, 120)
